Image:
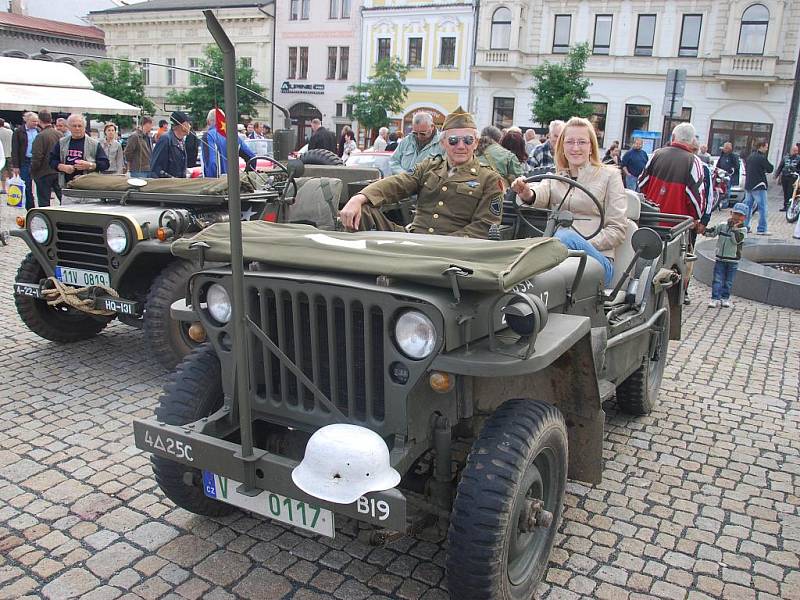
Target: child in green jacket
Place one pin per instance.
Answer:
(729, 251)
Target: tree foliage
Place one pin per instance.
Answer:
(204, 93)
(383, 93)
(560, 89)
(123, 82)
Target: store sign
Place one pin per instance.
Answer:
(302, 88)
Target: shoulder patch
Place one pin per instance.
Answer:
(496, 205)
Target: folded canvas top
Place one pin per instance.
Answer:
(202, 186)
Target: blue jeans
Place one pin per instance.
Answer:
(724, 274)
(574, 241)
(632, 182)
(25, 173)
(757, 198)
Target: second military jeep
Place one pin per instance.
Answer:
(408, 380)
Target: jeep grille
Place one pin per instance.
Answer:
(81, 246)
(337, 341)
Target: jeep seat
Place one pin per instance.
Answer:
(624, 252)
(345, 174)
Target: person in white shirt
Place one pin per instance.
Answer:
(381, 140)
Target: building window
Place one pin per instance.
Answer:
(345, 9)
(415, 52)
(302, 70)
(645, 34)
(194, 63)
(332, 52)
(305, 9)
(501, 29)
(384, 48)
(170, 71)
(338, 109)
(753, 31)
(602, 34)
(447, 53)
(743, 135)
(145, 66)
(294, 10)
(292, 63)
(344, 61)
(561, 34)
(247, 62)
(690, 35)
(637, 116)
(598, 120)
(334, 10)
(670, 123)
(503, 112)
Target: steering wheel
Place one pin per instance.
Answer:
(561, 218)
(254, 166)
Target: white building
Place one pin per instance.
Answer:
(740, 57)
(317, 58)
(174, 32)
(435, 38)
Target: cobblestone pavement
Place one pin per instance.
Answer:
(699, 500)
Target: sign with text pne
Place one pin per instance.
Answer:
(287, 87)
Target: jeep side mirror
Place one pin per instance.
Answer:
(647, 243)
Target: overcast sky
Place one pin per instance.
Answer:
(67, 12)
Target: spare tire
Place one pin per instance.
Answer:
(320, 156)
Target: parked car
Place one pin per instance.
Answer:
(371, 158)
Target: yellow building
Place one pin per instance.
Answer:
(434, 38)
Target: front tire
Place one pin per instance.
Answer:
(793, 211)
(57, 324)
(517, 470)
(169, 339)
(195, 392)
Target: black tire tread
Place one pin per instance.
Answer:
(194, 392)
(632, 394)
(320, 156)
(485, 497)
(45, 321)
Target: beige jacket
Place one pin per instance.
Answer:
(606, 185)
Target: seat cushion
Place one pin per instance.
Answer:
(624, 253)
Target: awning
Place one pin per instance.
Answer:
(35, 84)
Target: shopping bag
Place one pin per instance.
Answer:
(16, 192)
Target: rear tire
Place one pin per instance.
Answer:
(169, 339)
(520, 456)
(638, 394)
(195, 392)
(793, 210)
(320, 156)
(60, 324)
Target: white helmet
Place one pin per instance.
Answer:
(343, 462)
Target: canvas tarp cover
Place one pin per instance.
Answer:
(201, 186)
(493, 265)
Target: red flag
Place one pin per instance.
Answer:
(219, 116)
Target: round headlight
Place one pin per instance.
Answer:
(415, 334)
(219, 303)
(39, 228)
(117, 237)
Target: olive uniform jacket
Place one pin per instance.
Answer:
(503, 161)
(465, 203)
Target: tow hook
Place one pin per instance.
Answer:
(534, 515)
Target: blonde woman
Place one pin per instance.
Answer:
(113, 150)
(577, 157)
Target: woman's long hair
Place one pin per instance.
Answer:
(594, 156)
(514, 142)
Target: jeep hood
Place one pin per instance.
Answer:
(486, 265)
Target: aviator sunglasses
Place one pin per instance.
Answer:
(467, 139)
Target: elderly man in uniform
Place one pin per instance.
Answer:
(456, 195)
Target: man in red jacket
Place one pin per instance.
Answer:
(673, 179)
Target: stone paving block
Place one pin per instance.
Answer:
(260, 583)
(71, 584)
(112, 559)
(223, 567)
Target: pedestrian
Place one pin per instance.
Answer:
(633, 163)
(755, 186)
(61, 126)
(391, 146)
(163, 128)
(788, 171)
(729, 162)
(78, 153)
(139, 149)
(321, 137)
(21, 151)
(514, 142)
(421, 144)
(113, 150)
(531, 141)
(349, 144)
(673, 180)
(614, 144)
(380, 143)
(730, 237)
(215, 157)
(704, 155)
(340, 144)
(250, 132)
(192, 145)
(489, 152)
(169, 154)
(5, 141)
(443, 207)
(267, 132)
(45, 176)
(543, 154)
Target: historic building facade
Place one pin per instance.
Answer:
(317, 58)
(22, 36)
(435, 38)
(740, 58)
(173, 32)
